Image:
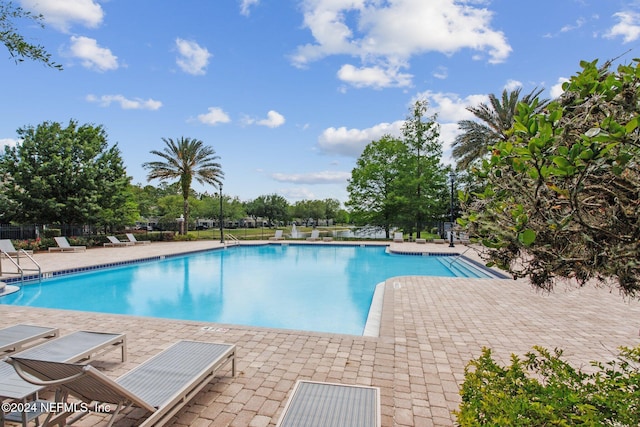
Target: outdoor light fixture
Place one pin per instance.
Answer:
(452, 178)
(221, 218)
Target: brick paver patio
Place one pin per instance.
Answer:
(431, 327)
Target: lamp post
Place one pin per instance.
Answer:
(452, 178)
(221, 218)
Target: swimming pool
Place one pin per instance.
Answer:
(325, 288)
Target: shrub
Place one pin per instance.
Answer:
(51, 233)
(185, 237)
(544, 390)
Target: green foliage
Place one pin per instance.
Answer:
(374, 195)
(185, 237)
(560, 195)
(543, 390)
(400, 182)
(186, 159)
(494, 124)
(50, 233)
(67, 175)
(273, 207)
(18, 47)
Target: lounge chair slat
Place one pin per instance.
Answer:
(161, 385)
(315, 404)
(15, 337)
(69, 348)
(160, 378)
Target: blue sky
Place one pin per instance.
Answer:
(289, 92)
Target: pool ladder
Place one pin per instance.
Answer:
(16, 262)
(233, 239)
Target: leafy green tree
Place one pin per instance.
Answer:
(331, 208)
(232, 208)
(373, 188)
(273, 207)
(18, 47)
(67, 175)
(493, 125)
(423, 180)
(561, 198)
(186, 159)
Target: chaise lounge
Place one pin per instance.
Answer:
(64, 246)
(7, 248)
(113, 242)
(15, 338)
(74, 347)
(162, 385)
(277, 235)
(132, 238)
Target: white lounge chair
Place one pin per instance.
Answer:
(162, 385)
(15, 338)
(277, 236)
(331, 405)
(398, 237)
(64, 246)
(75, 347)
(113, 242)
(132, 238)
(7, 248)
(315, 235)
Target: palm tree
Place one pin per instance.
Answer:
(186, 159)
(496, 118)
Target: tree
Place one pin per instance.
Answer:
(19, 49)
(67, 175)
(186, 159)
(373, 187)
(423, 183)
(496, 119)
(561, 197)
(273, 207)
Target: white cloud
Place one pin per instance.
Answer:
(628, 27)
(323, 177)
(273, 120)
(245, 5)
(214, 116)
(376, 77)
(125, 103)
(93, 56)
(388, 34)
(449, 107)
(351, 142)
(512, 85)
(570, 27)
(8, 142)
(556, 89)
(62, 14)
(193, 58)
(441, 73)
(297, 193)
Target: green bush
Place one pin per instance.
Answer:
(185, 237)
(50, 233)
(544, 390)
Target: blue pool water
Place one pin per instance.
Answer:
(325, 288)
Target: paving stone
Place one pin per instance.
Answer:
(431, 327)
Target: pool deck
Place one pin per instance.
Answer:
(430, 328)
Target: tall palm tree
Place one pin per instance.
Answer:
(495, 119)
(186, 159)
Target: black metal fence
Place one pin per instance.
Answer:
(34, 231)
